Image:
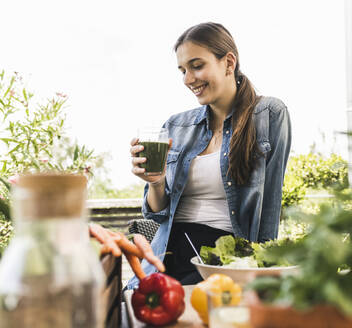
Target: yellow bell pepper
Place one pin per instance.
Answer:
(225, 290)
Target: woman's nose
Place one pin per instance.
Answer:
(188, 77)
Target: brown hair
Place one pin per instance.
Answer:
(244, 150)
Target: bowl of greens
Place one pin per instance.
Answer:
(242, 260)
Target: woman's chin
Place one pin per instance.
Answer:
(202, 100)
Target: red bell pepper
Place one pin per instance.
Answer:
(158, 300)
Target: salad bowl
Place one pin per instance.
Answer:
(241, 275)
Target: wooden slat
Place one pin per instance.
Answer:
(115, 210)
(114, 203)
(112, 219)
(114, 213)
(113, 291)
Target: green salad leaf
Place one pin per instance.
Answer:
(230, 250)
(210, 255)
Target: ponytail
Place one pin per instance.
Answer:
(244, 152)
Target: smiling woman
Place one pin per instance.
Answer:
(226, 160)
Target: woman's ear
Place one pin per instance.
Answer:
(231, 62)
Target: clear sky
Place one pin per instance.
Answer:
(114, 60)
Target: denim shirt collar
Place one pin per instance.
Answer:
(204, 114)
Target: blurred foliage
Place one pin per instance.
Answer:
(33, 139)
(102, 188)
(324, 256)
(292, 229)
(312, 171)
(33, 135)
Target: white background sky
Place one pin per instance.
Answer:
(114, 60)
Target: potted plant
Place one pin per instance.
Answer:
(320, 295)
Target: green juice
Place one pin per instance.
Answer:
(156, 153)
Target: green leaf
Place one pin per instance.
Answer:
(75, 154)
(7, 140)
(7, 185)
(25, 94)
(9, 88)
(14, 149)
(339, 297)
(4, 165)
(35, 146)
(5, 209)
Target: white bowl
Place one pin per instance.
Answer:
(241, 275)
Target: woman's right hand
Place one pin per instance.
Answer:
(136, 161)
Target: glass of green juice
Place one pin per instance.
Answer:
(156, 143)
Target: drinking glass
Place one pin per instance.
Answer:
(226, 310)
(156, 144)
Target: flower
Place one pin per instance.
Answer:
(60, 94)
(13, 179)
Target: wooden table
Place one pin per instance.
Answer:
(189, 318)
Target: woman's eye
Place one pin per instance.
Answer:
(198, 67)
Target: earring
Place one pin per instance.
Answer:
(239, 79)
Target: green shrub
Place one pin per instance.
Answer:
(312, 171)
(293, 191)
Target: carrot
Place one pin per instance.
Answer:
(128, 247)
(135, 265)
(142, 243)
(117, 243)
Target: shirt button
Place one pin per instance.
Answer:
(229, 183)
(227, 132)
(233, 212)
(225, 154)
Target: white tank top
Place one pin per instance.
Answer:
(203, 199)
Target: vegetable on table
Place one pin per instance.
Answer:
(158, 300)
(117, 243)
(217, 283)
(238, 252)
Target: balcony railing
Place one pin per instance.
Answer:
(114, 213)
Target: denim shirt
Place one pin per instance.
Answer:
(254, 208)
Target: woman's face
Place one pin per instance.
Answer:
(204, 74)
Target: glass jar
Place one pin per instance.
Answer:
(50, 275)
